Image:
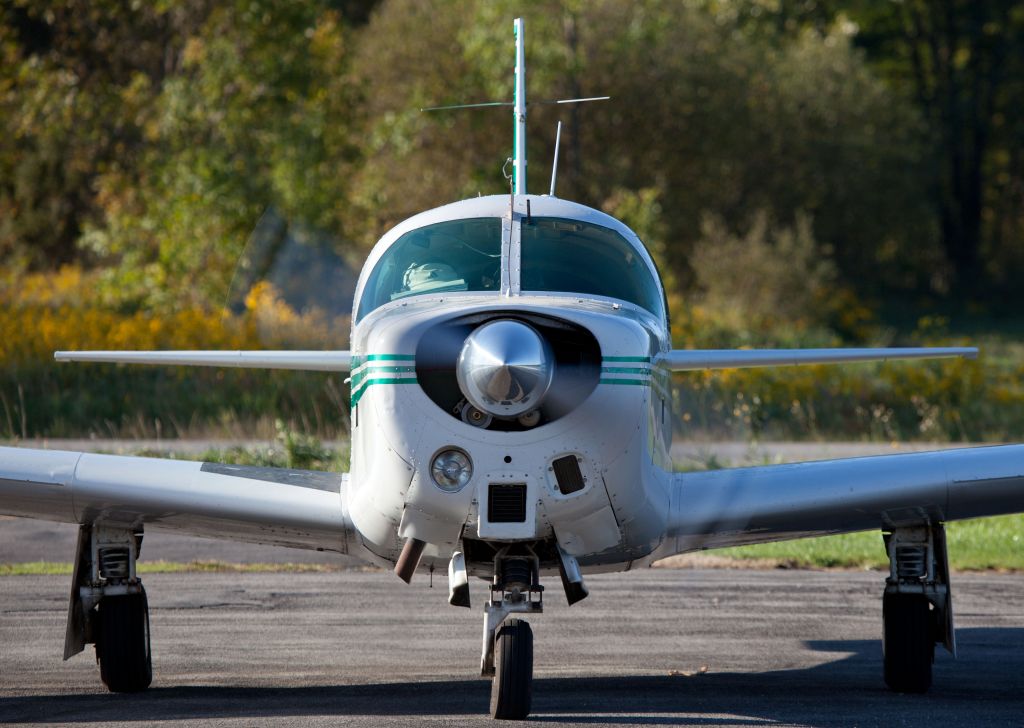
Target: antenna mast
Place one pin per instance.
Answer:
(554, 162)
(519, 115)
(518, 104)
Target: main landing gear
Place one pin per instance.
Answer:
(917, 606)
(109, 608)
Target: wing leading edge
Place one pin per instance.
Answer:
(771, 503)
(684, 360)
(296, 508)
(318, 361)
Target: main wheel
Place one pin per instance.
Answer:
(512, 688)
(122, 645)
(908, 643)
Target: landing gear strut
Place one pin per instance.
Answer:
(109, 608)
(508, 643)
(917, 606)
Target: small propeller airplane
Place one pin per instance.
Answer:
(510, 372)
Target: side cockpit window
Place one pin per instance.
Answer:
(457, 255)
(577, 257)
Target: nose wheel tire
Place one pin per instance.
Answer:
(122, 645)
(909, 642)
(512, 687)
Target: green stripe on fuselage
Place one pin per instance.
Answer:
(360, 390)
(357, 360)
(367, 370)
(635, 359)
(625, 370)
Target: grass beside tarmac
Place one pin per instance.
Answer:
(981, 544)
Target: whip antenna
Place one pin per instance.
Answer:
(554, 162)
(519, 113)
(519, 104)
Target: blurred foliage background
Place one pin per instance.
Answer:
(806, 172)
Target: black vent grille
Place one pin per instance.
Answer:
(506, 503)
(568, 475)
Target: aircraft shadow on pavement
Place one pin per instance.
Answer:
(985, 685)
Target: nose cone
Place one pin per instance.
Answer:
(505, 368)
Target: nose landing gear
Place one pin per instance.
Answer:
(508, 643)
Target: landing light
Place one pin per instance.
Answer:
(451, 470)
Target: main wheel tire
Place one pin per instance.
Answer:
(909, 642)
(122, 645)
(512, 687)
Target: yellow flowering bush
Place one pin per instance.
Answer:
(940, 400)
(46, 312)
(42, 313)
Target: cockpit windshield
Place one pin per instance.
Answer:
(457, 255)
(579, 257)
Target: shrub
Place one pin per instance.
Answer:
(42, 313)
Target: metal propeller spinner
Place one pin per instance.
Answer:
(505, 368)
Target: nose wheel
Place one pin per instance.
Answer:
(508, 641)
(512, 687)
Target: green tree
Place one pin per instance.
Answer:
(715, 117)
(74, 76)
(258, 116)
(962, 61)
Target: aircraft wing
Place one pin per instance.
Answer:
(277, 506)
(771, 503)
(684, 360)
(320, 361)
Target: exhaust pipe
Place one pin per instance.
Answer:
(407, 562)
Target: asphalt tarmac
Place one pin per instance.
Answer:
(652, 647)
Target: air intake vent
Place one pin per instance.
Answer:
(568, 475)
(506, 503)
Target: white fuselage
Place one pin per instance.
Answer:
(619, 433)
